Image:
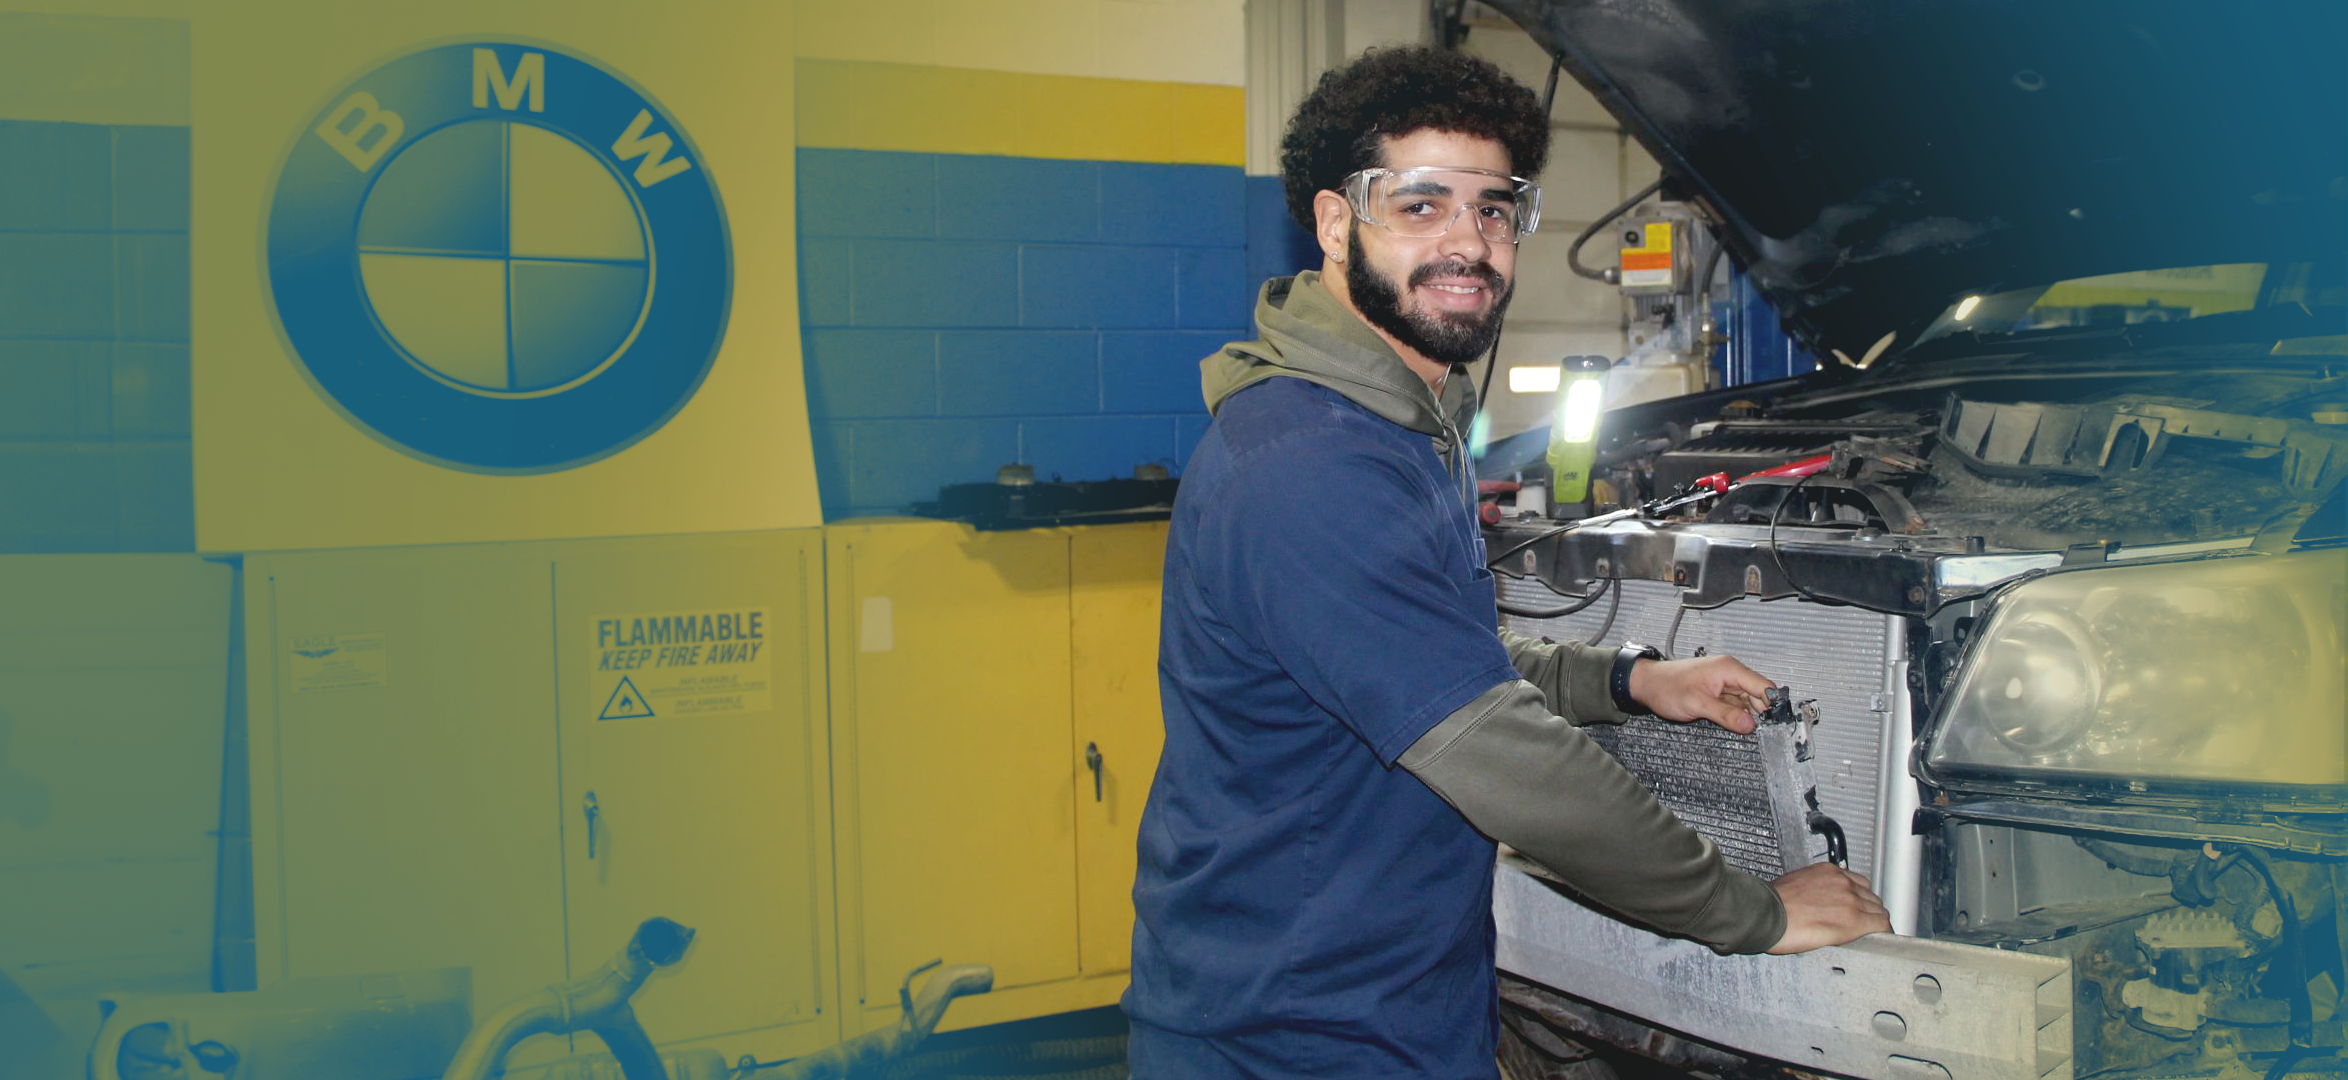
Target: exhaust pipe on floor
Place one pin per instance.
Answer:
(597, 1003)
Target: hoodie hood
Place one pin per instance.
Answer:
(1307, 334)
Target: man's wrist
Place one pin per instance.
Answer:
(1626, 662)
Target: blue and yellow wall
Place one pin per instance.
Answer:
(1021, 225)
(94, 417)
(114, 659)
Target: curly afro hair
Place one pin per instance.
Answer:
(1394, 92)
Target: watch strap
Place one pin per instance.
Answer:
(1618, 682)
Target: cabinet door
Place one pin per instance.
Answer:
(404, 780)
(693, 776)
(950, 686)
(1114, 574)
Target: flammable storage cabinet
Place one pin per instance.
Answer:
(506, 756)
(995, 727)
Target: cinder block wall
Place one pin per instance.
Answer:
(94, 338)
(1021, 226)
(113, 693)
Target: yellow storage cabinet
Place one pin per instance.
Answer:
(404, 782)
(1114, 575)
(427, 726)
(970, 672)
(713, 810)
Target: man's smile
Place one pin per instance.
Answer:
(1457, 295)
(1455, 288)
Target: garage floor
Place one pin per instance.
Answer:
(1087, 1045)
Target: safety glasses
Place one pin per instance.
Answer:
(1428, 201)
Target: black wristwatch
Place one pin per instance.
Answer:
(1618, 682)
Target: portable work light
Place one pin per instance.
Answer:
(1573, 436)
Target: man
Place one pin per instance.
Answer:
(1346, 732)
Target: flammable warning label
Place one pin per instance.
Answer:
(681, 663)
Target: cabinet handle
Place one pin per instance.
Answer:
(593, 812)
(1092, 760)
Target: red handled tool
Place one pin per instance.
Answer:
(1712, 484)
(1709, 486)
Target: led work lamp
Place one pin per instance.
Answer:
(1573, 435)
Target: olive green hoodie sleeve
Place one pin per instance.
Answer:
(1527, 778)
(1572, 677)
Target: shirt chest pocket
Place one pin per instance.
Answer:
(1478, 591)
(1479, 598)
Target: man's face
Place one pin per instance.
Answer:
(1441, 296)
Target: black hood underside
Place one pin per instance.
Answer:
(1870, 162)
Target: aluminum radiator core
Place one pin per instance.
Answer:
(1746, 792)
(1715, 780)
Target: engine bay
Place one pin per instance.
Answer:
(1859, 546)
(2160, 460)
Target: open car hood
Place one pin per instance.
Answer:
(1871, 162)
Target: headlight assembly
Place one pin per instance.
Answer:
(2039, 683)
(2156, 682)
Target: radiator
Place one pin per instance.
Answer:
(1841, 657)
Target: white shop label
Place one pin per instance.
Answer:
(681, 663)
(876, 631)
(353, 661)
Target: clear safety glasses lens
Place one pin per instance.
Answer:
(1429, 201)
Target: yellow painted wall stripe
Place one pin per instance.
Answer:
(854, 105)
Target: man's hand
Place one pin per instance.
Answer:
(1826, 905)
(1715, 688)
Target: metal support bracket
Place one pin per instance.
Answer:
(1880, 1008)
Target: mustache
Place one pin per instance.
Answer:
(1481, 271)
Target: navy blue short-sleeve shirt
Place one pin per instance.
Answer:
(1303, 907)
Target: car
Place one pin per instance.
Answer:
(2050, 552)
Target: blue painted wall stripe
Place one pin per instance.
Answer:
(1156, 371)
(1062, 308)
(94, 396)
(871, 373)
(1276, 245)
(1019, 373)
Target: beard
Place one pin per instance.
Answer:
(1441, 336)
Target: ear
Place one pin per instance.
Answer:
(1332, 219)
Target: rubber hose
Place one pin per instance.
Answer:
(1573, 255)
(2139, 865)
(1562, 610)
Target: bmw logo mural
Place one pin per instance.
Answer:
(498, 257)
